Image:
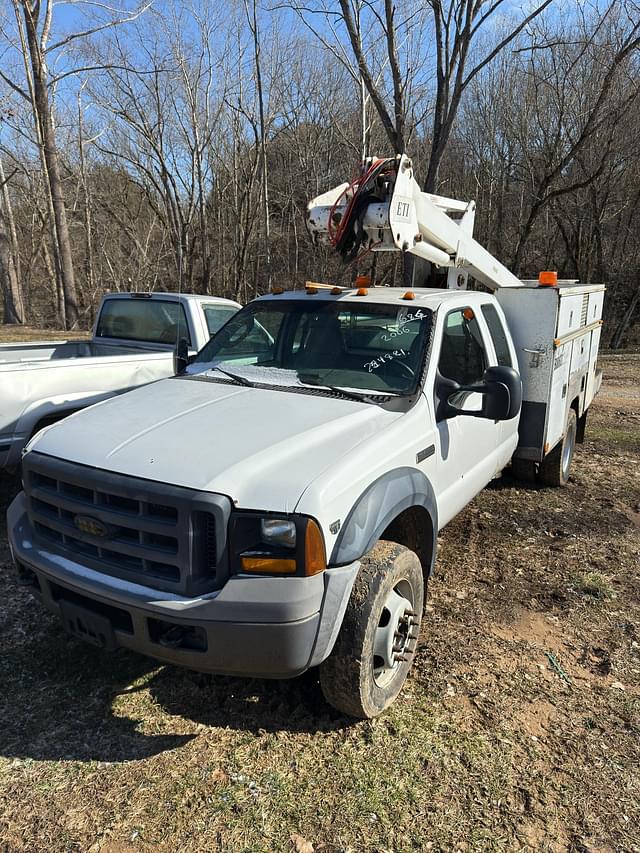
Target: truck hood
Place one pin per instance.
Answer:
(260, 447)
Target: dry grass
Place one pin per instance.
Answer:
(23, 334)
(519, 729)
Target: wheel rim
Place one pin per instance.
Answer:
(567, 450)
(396, 634)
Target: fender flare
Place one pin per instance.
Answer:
(380, 503)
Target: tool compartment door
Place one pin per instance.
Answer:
(558, 402)
(593, 366)
(570, 313)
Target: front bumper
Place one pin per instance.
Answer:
(253, 626)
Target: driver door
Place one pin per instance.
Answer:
(466, 447)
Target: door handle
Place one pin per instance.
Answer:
(536, 356)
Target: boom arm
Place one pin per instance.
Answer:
(384, 210)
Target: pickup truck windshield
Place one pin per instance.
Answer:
(148, 320)
(363, 346)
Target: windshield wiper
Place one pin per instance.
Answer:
(352, 395)
(236, 377)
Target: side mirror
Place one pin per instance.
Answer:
(501, 390)
(181, 356)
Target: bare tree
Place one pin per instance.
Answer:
(457, 25)
(252, 18)
(36, 22)
(10, 281)
(577, 92)
(34, 19)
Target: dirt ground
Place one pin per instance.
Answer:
(519, 729)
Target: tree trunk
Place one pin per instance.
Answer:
(10, 283)
(90, 278)
(43, 111)
(616, 340)
(263, 144)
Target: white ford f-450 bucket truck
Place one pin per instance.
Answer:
(133, 342)
(276, 506)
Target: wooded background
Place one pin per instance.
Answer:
(175, 144)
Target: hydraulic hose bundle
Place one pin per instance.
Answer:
(346, 231)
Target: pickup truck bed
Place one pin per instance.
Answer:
(61, 350)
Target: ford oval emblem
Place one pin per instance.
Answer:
(92, 526)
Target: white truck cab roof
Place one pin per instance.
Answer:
(429, 297)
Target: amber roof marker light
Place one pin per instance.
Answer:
(548, 278)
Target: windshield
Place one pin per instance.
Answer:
(354, 345)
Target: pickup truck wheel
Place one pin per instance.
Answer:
(555, 467)
(374, 651)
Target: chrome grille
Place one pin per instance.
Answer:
(161, 536)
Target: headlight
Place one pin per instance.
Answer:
(278, 531)
(268, 545)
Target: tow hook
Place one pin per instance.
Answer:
(174, 637)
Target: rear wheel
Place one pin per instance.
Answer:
(374, 651)
(555, 467)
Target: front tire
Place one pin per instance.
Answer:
(374, 651)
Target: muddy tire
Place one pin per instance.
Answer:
(555, 468)
(374, 651)
(524, 470)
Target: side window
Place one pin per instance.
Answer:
(244, 339)
(252, 342)
(217, 315)
(462, 355)
(498, 335)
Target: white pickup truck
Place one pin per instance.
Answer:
(276, 506)
(134, 339)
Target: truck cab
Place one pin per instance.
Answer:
(276, 506)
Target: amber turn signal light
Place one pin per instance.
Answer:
(315, 559)
(268, 565)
